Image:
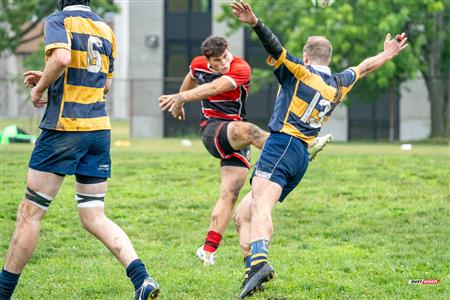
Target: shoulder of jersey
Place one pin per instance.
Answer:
(56, 14)
(199, 61)
(238, 61)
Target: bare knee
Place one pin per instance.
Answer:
(90, 221)
(27, 212)
(237, 222)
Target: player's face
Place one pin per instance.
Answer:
(221, 63)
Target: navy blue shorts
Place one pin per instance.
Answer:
(284, 160)
(67, 153)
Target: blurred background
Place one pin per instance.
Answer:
(406, 100)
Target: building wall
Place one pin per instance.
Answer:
(121, 86)
(337, 125)
(415, 111)
(9, 96)
(236, 39)
(140, 68)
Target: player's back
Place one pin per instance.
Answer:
(76, 99)
(308, 96)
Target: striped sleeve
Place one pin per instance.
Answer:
(55, 33)
(112, 57)
(287, 67)
(348, 78)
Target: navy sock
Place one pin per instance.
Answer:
(8, 282)
(248, 261)
(137, 273)
(260, 248)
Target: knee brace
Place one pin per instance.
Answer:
(89, 200)
(37, 198)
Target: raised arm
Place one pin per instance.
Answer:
(392, 48)
(244, 12)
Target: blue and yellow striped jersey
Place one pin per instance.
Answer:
(76, 100)
(307, 96)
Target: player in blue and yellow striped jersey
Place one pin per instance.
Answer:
(75, 140)
(309, 93)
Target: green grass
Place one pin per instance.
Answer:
(365, 219)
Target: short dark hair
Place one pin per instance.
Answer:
(64, 3)
(214, 46)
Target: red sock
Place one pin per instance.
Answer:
(212, 241)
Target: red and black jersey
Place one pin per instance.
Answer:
(229, 105)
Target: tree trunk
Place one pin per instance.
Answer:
(436, 79)
(447, 106)
(393, 96)
(439, 111)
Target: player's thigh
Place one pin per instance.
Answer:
(283, 161)
(41, 188)
(44, 182)
(241, 134)
(214, 139)
(233, 178)
(96, 161)
(57, 152)
(265, 193)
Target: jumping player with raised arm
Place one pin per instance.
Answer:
(309, 94)
(75, 140)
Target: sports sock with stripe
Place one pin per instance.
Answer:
(212, 241)
(8, 282)
(260, 248)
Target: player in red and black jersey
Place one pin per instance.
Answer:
(221, 82)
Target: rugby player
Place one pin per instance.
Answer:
(75, 140)
(220, 80)
(309, 94)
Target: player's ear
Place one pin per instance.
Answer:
(305, 57)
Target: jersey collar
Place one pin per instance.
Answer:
(77, 7)
(323, 69)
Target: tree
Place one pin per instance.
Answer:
(357, 28)
(19, 17)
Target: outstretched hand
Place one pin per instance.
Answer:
(172, 104)
(244, 12)
(393, 47)
(31, 78)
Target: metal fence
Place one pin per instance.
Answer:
(376, 120)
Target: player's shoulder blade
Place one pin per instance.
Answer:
(88, 23)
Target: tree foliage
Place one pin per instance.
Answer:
(357, 29)
(19, 17)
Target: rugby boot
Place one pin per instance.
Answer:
(318, 146)
(256, 278)
(148, 290)
(208, 258)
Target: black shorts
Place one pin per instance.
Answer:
(215, 140)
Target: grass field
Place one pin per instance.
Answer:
(366, 219)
